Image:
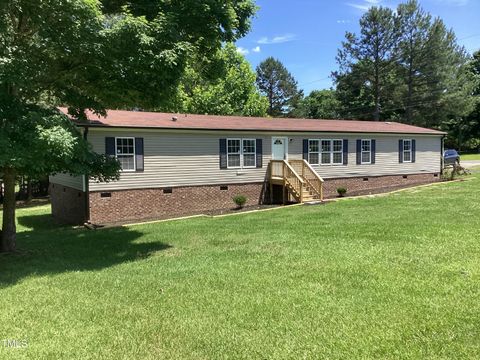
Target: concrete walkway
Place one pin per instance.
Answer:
(470, 163)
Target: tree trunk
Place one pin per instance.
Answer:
(29, 190)
(9, 230)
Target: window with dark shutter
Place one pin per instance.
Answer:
(400, 151)
(139, 156)
(305, 149)
(414, 150)
(359, 151)
(345, 152)
(110, 146)
(259, 153)
(374, 151)
(223, 153)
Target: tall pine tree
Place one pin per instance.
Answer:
(279, 86)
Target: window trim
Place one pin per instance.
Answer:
(314, 152)
(331, 152)
(134, 155)
(369, 152)
(241, 153)
(407, 151)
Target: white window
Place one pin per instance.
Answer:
(249, 153)
(407, 150)
(366, 152)
(241, 153)
(314, 152)
(125, 152)
(331, 152)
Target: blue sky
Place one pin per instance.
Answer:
(305, 34)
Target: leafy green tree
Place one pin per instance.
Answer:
(403, 66)
(279, 86)
(366, 63)
(432, 69)
(225, 85)
(464, 132)
(87, 54)
(320, 104)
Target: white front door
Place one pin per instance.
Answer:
(279, 148)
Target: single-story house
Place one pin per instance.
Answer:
(177, 164)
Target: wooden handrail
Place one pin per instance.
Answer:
(307, 164)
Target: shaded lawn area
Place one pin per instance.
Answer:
(388, 277)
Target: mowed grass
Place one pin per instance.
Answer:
(389, 277)
(468, 157)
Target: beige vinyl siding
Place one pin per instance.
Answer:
(74, 182)
(387, 163)
(180, 160)
(188, 159)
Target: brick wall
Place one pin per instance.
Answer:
(128, 205)
(372, 185)
(68, 205)
(135, 205)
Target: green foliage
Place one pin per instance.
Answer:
(279, 86)
(341, 191)
(366, 64)
(221, 85)
(403, 66)
(240, 200)
(87, 54)
(320, 104)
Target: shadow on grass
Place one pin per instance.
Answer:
(52, 249)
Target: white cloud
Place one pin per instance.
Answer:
(256, 49)
(243, 51)
(365, 4)
(276, 39)
(343, 21)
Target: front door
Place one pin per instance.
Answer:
(279, 148)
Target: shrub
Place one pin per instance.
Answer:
(341, 191)
(240, 200)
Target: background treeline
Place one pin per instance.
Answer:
(403, 65)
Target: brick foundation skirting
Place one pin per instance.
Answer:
(68, 204)
(128, 205)
(135, 205)
(375, 184)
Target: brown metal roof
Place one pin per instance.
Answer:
(139, 119)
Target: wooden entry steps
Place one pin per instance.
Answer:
(299, 180)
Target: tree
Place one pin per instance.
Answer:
(369, 57)
(404, 66)
(320, 104)
(464, 132)
(87, 54)
(225, 85)
(432, 69)
(279, 86)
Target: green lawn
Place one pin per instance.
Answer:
(470, 157)
(388, 277)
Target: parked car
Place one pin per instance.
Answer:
(451, 157)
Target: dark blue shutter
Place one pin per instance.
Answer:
(223, 154)
(305, 149)
(259, 148)
(345, 152)
(110, 146)
(400, 151)
(414, 150)
(139, 155)
(374, 150)
(359, 152)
